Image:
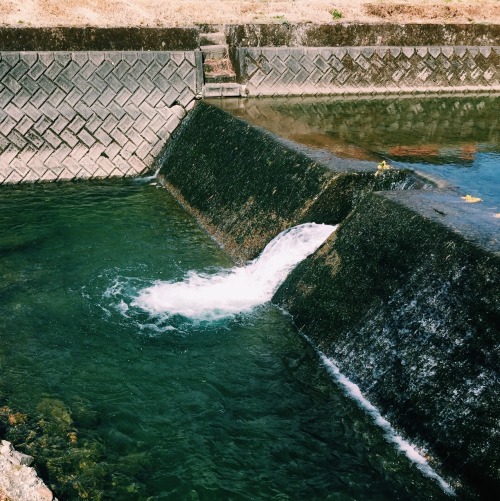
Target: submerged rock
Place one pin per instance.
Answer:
(73, 465)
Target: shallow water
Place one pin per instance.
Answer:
(122, 404)
(452, 139)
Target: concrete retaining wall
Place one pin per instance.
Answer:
(270, 71)
(87, 109)
(66, 115)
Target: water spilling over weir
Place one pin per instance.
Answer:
(404, 298)
(239, 290)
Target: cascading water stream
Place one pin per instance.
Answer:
(210, 297)
(203, 296)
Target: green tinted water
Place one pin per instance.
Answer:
(116, 405)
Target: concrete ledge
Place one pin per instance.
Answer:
(360, 34)
(98, 39)
(223, 90)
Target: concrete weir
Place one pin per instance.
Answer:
(406, 300)
(247, 185)
(405, 297)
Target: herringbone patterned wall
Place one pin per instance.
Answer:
(337, 70)
(89, 114)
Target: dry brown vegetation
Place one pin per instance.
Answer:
(436, 11)
(189, 12)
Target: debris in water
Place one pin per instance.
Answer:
(471, 200)
(383, 166)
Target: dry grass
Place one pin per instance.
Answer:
(221, 67)
(188, 12)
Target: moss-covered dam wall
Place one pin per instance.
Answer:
(247, 185)
(404, 297)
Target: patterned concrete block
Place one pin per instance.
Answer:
(90, 114)
(347, 70)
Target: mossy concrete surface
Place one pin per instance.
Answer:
(97, 39)
(361, 34)
(64, 38)
(405, 298)
(246, 185)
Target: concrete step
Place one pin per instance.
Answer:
(218, 70)
(219, 78)
(215, 51)
(223, 90)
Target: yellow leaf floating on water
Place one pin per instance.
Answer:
(472, 200)
(497, 215)
(383, 166)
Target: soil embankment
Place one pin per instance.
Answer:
(155, 13)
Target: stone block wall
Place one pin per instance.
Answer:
(270, 71)
(66, 115)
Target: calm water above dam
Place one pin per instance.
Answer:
(455, 140)
(116, 403)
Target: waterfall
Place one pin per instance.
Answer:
(240, 289)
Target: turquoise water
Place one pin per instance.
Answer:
(116, 404)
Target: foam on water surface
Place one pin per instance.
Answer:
(226, 293)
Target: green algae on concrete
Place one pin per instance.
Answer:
(360, 34)
(246, 185)
(89, 38)
(405, 298)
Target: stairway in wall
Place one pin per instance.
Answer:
(219, 75)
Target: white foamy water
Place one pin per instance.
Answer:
(352, 390)
(240, 289)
